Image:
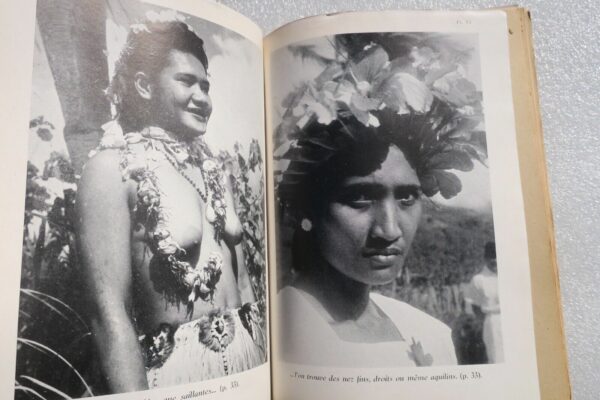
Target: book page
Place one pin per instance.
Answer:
(550, 336)
(133, 222)
(402, 265)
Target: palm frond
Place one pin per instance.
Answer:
(47, 350)
(42, 297)
(46, 386)
(29, 391)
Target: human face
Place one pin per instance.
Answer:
(369, 223)
(180, 101)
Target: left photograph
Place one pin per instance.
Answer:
(143, 259)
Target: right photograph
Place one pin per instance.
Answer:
(386, 254)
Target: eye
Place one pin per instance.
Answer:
(186, 81)
(358, 199)
(360, 202)
(408, 197)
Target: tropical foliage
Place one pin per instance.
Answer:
(248, 175)
(412, 87)
(54, 350)
(54, 343)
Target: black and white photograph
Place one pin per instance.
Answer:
(386, 252)
(143, 260)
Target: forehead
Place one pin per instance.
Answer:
(394, 171)
(178, 61)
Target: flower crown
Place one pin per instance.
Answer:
(410, 89)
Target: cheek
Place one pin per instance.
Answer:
(179, 97)
(174, 94)
(343, 229)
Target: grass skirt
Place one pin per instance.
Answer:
(212, 346)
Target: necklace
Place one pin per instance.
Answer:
(203, 193)
(213, 193)
(172, 275)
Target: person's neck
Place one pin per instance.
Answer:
(170, 134)
(343, 298)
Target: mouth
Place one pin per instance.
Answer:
(200, 114)
(383, 258)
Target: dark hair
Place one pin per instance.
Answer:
(490, 251)
(147, 48)
(328, 154)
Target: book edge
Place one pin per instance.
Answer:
(548, 319)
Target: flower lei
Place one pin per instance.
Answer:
(177, 279)
(412, 87)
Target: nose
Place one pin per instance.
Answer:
(386, 221)
(201, 98)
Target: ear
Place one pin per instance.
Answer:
(142, 85)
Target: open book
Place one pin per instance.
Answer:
(352, 206)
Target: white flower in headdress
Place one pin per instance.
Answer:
(427, 91)
(319, 104)
(414, 92)
(424, 58)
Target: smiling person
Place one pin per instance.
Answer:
(363, 145)
(170, 299)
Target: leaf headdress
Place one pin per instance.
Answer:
(410, 90)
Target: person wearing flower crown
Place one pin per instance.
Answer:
(360, 148)
(158, 233)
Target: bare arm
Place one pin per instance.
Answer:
(103, 231)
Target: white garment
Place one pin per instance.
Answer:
(307, 338)
(482, 291)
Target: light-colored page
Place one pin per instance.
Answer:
(550, 340)
(184, 311)
(402, 265)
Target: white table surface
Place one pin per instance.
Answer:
(566, 35)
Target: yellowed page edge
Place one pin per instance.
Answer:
(549, 332)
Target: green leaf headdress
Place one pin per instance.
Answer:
(410, 90)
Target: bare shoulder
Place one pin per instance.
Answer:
(101, 180)
(103, 168)
(102, 165)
